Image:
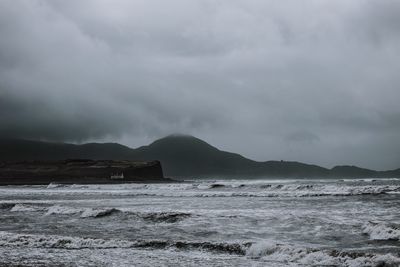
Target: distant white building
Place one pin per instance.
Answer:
(117, 176)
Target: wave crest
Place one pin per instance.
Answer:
(8, 239)
(381, 231)
(97, 213)
(168, 217)
(318, 257)
(62, 210)
(26, 207)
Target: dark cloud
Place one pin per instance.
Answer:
(302, 136)
(315, 82)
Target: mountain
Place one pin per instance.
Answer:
(15, 149)
(180, 156)
(188, 156)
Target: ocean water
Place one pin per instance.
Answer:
(203, 223)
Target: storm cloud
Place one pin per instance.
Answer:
(312, 81)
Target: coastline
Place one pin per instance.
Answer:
(81, 171)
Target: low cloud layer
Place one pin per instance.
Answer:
(315, 81)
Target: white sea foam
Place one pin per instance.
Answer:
(8, 239)
(272, 252)
(27, 208)
(382, 231)
(55, 185)
(57, 209)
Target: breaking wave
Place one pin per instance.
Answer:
(55, 185)
(8, 239)
(382, 231)
(217, 247)
(268, 190)
(62, 210)
(232, 190)
(169, 217)
(210, 186)
(155, 216)
(318, 257)
(27, 207)
(278, 188)
(272, 190)
(97, 213)
(263, 251)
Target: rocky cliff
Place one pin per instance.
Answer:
(80, 171)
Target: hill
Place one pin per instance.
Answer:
(181, 156)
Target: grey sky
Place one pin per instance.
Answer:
(312, 81)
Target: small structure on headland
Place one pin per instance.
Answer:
(117, 176)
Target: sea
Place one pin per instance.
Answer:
(281, 222)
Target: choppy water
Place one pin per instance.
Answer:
(209, 223)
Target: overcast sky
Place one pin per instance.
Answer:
(312, 81)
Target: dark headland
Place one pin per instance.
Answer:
(80, 171)
(181, 157)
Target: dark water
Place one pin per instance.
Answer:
(210, 223)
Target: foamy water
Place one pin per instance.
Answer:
(208, 223)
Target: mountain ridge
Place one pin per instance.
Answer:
(182, 156)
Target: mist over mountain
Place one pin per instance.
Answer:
(181, 156)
